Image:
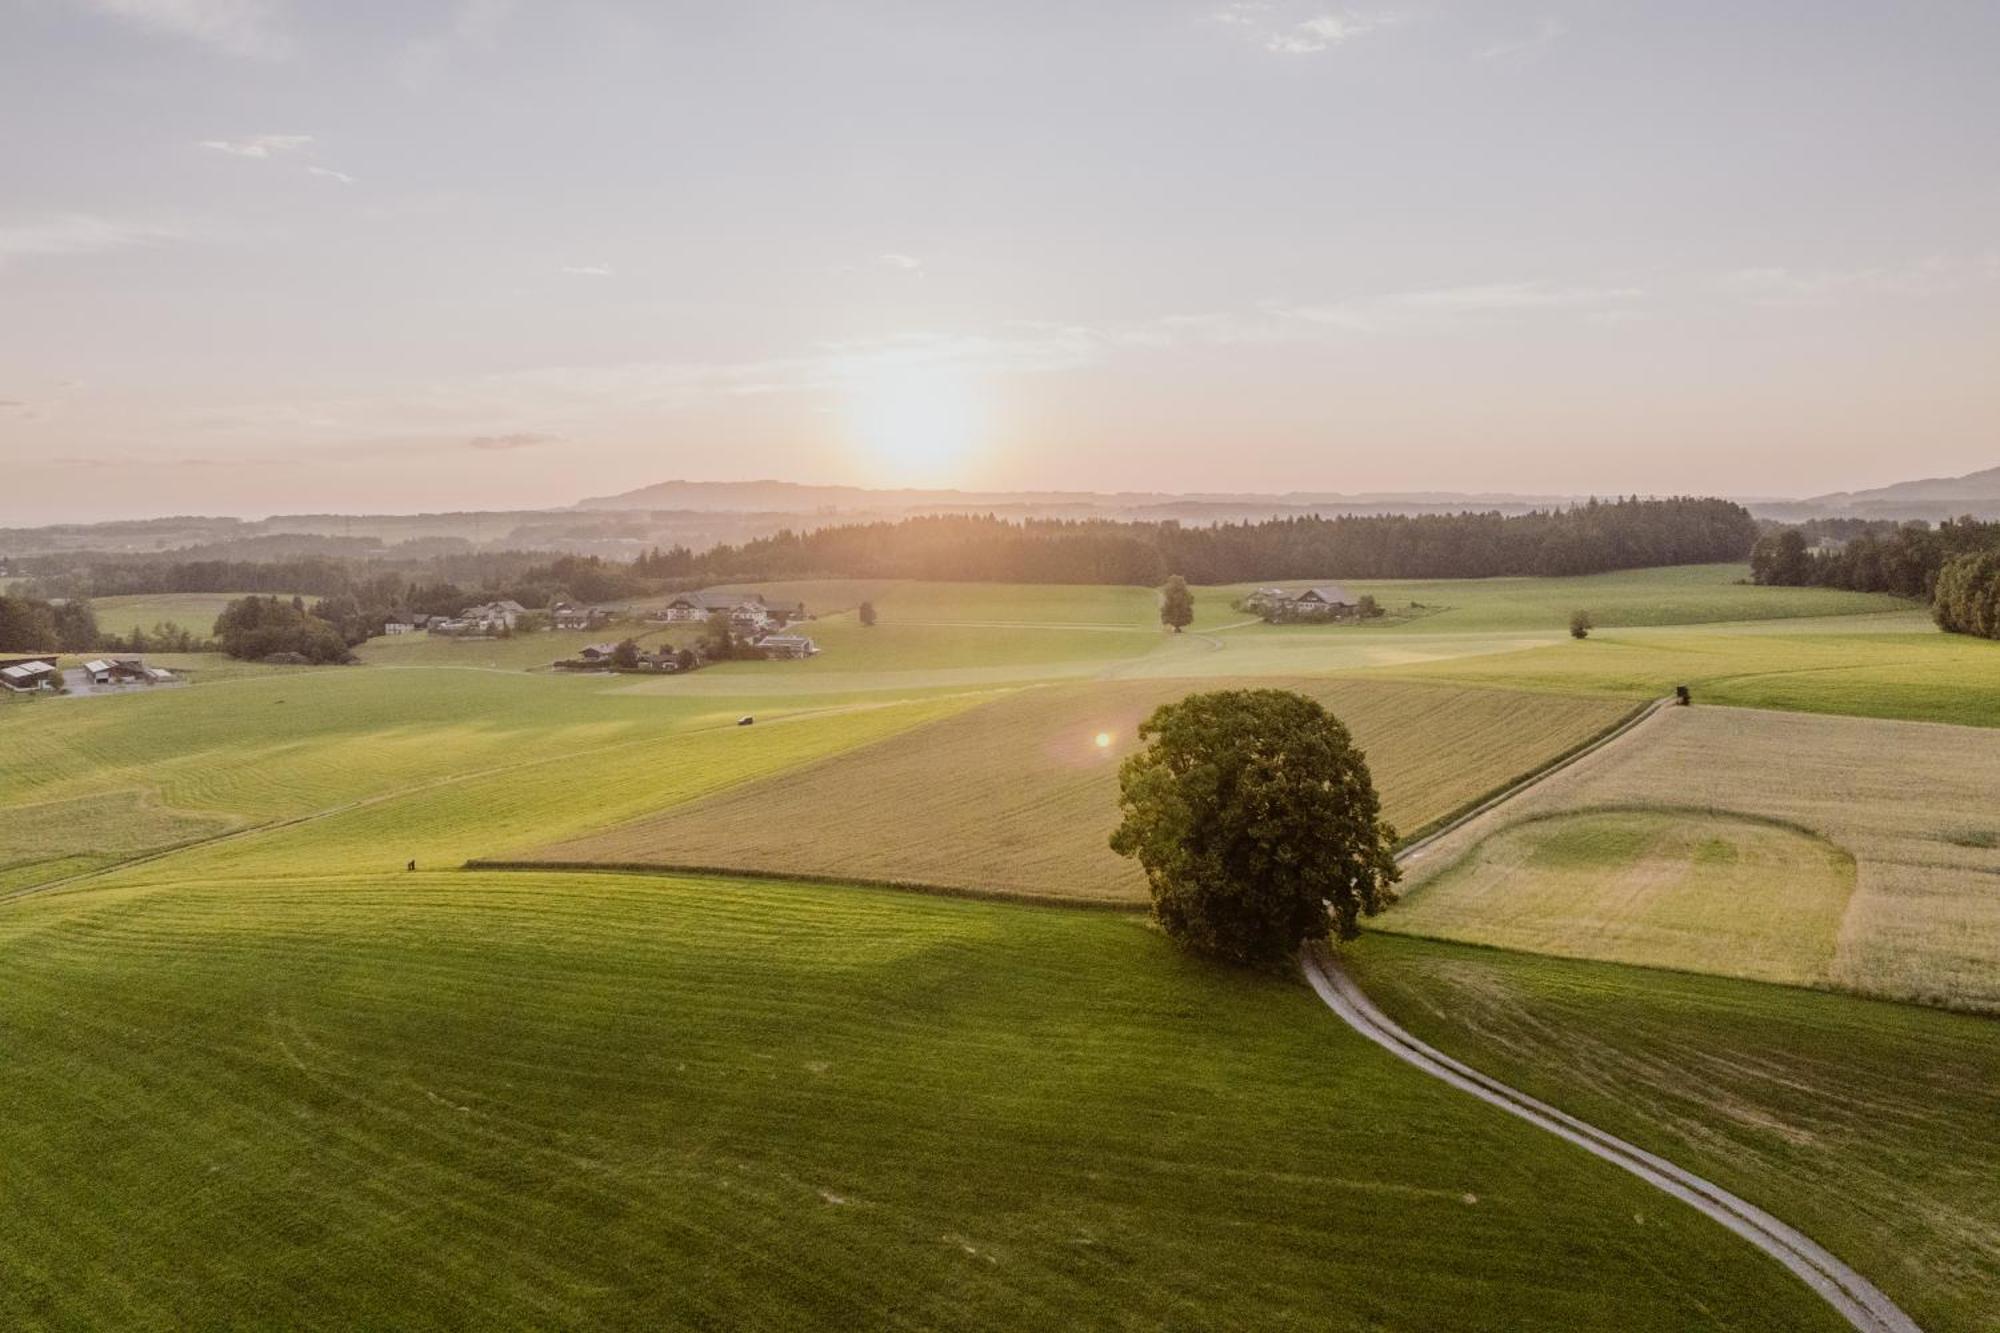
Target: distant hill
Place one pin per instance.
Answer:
(769, 497)
(1932, 498)
(1973, 486)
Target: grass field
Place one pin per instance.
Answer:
(1911, 803)
(1661, 887)
(433, 762)
(270, 1078)
(1018, 797)
(1864, 1123)
(1685, 595)
(1896, 665)
(194, 611)
(450, 1101)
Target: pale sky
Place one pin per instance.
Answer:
(393, 255)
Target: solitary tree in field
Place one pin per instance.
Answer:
(1580, 624)
(1256, 822)
(1176, 604)
(867, 614)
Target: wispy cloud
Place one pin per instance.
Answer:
(328, 173)
(588, 270)
(524, 439)
(1286, 33)
(900, 262)
(1547, 32)
(78, 234)
(1783, 286)
(245, 28)
(259, 145)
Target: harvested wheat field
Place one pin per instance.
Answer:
(1019, 796)
(1911, 803)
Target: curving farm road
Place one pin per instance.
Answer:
(1853, 1296)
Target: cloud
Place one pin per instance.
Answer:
(1550, 30)
(238, 27)
(1782, 286)
(1438, 306)
(1288, 35)
(901, 263)
(516, 440)
(588, 270)
(328, 173)
(259, 145)
(77, 234)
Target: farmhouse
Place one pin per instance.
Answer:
(124, 671)
(398, 627)
(24, 675)
(571, 615)
(491, 616)
(598, 652)
(1325, 601)
(746, 610)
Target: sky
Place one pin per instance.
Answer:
(268, 256)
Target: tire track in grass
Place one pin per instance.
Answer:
(1853, 1296)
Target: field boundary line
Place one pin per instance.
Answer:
(1857, 1300)
(808, 877)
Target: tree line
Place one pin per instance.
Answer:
(1582, 539)
(1954, 566)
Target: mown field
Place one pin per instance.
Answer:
(1864, 1123)
(1666, 888)
(1912, 804)
(450, 1101)
(271, 1078)
(1019, 797)
(385, 765)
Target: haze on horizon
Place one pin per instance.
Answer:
(259, 256)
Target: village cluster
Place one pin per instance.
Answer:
(758, 625)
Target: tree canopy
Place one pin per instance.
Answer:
(1176, 604)
(1256, 822)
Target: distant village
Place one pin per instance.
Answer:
(737, 625)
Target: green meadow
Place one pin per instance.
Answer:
(451, 1100)
(252, 1071)
(1865, 1124)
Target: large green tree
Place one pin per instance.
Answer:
(1176, 604)
(1256, 822)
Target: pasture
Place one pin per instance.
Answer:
(1683, 595)
(1895, 665)
(1866, 1124)
(1018, 797)
(412, 763)
(254, 1069)
(194, 611)
(462, 1100)
(1911, 803)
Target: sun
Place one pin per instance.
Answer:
(914, 424)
